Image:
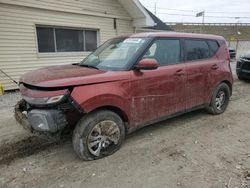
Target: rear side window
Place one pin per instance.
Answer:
(214, 46)
(196, 49)
(165, 51)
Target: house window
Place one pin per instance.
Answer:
(91, 40)
(53, 39)
(45, 38)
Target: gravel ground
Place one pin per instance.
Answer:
(9, 99)
(196, 150)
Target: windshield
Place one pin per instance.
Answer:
(115, 54)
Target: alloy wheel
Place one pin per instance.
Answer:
(220, 100)
(102, 137)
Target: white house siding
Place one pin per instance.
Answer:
(18, 20)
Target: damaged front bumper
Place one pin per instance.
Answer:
(20, 117)
(40, 120)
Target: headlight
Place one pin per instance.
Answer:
(45, 100)
(54, 99)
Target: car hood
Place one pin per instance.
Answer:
(68, 75)
(246, 55)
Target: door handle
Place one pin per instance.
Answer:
(179, 72)
(214, 67)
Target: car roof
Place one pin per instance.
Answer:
(174, 35)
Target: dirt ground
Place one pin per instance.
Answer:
(196, 150)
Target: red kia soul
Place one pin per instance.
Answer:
(127, 83)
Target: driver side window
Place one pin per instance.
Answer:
(165, 51)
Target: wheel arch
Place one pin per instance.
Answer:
(114, 109)
(229, 85)
(121, 113)
(227, 82)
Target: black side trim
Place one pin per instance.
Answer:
(130, 130)
(76, 105)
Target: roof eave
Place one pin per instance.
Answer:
(140, 16)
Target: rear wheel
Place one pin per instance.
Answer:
(220, 99)
(98, 134)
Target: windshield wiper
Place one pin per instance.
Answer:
(89, 66)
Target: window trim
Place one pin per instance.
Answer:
(198, 39)
(50, 54)
(54, 33)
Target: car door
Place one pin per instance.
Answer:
(200, 67)
(161, 92)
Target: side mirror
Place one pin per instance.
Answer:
(147, 64)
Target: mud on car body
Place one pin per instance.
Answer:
(127, 83)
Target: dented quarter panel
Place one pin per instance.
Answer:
(223, 74)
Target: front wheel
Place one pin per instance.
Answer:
(220, 99)
(98, 134)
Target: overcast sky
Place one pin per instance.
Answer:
(219, 11)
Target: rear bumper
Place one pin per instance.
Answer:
(40, 120)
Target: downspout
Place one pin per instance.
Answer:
(115, 26)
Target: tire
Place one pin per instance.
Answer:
(218, 103)
(91, 132)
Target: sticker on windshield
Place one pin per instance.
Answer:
(133, 40)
